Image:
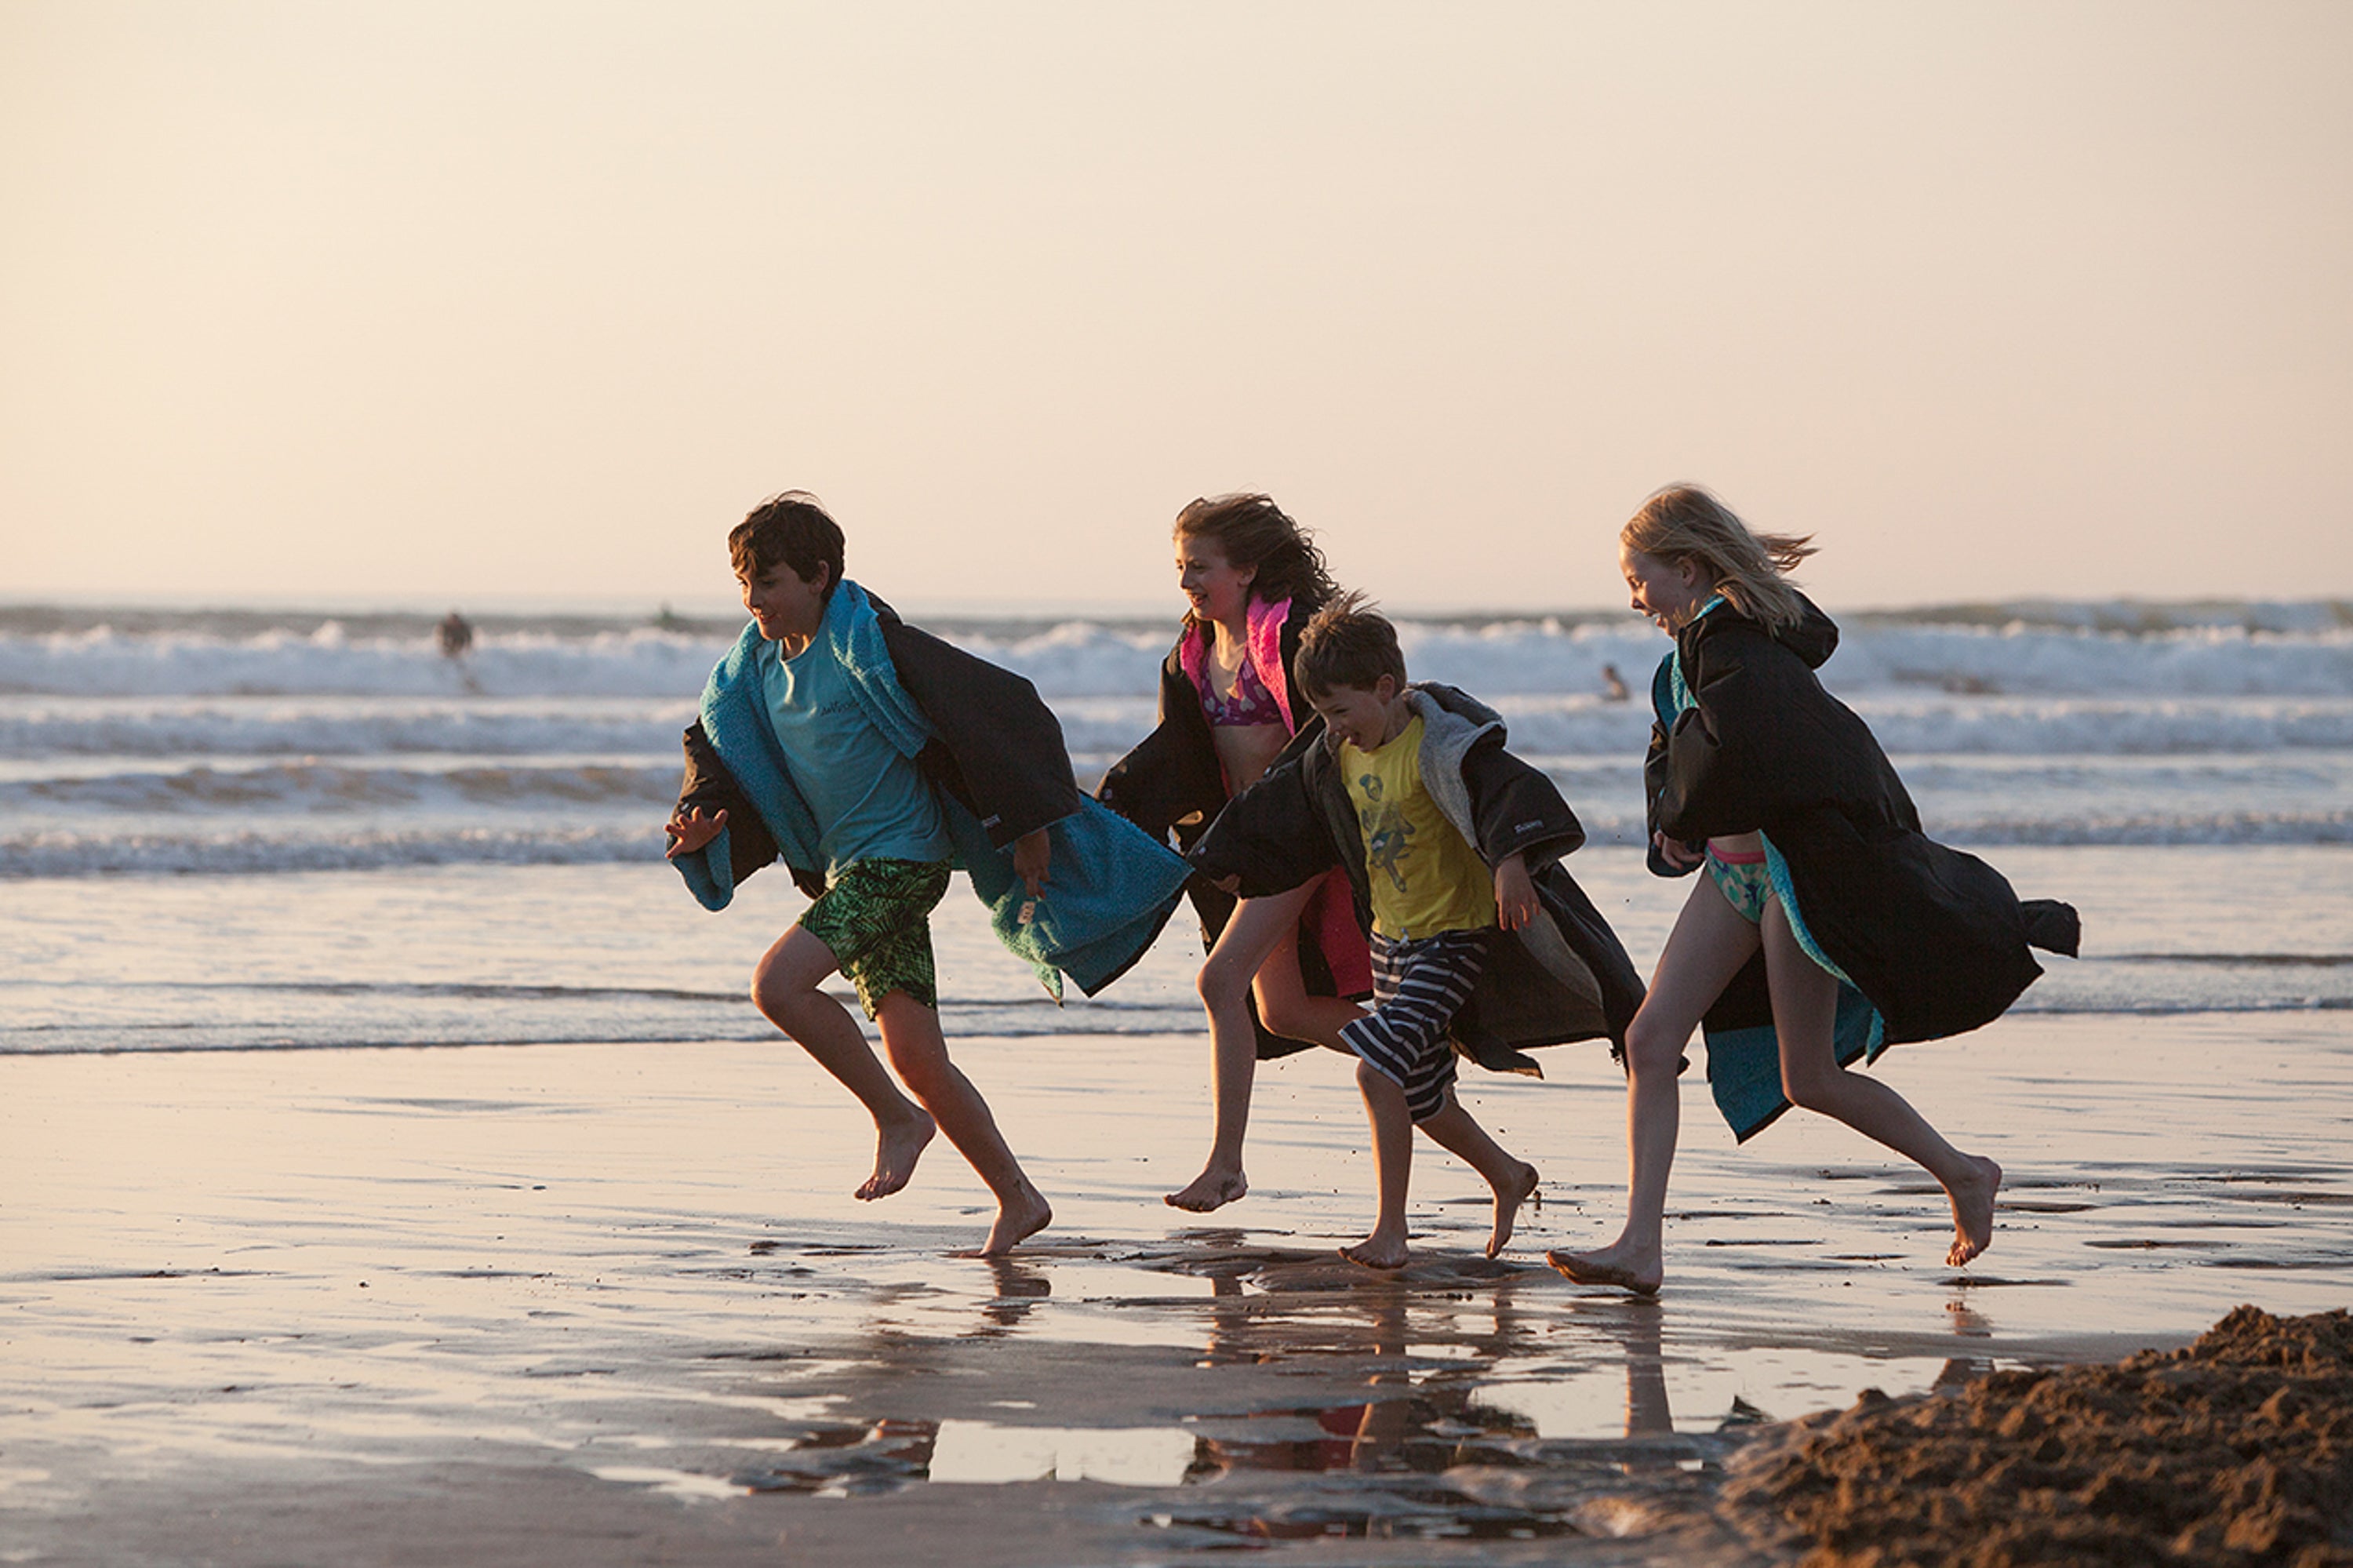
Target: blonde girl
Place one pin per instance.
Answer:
(1827, 925)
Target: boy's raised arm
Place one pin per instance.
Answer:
(692, 829)
(710, 801)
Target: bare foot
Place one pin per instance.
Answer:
(1017, 1219)
(897, 1146)
(1214, 1188)
(1973, 1211)
(1637, 1269)
(1520, 1189)
(1377, 1251)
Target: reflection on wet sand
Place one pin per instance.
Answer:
(1377, 1466)
(1019, 1286)
(1462, 1399)
(1390, 1425)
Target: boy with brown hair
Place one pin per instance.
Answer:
(874, 759)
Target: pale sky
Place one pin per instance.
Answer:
(471, 301)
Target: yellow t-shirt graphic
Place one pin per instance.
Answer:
(1425, 878)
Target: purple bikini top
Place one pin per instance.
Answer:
(1251, 706)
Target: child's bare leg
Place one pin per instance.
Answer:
(1805, 1015)
(1512, 1179)
(784, 989)
(1287, 1009)
(911, 1034)
(1256, 926)
(1393, 1166)
(1707, 947)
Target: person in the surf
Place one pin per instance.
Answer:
(874, 759)
(1828, 927)
(1282, 970)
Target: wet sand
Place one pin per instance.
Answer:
(588, 1304)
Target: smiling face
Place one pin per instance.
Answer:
(786, 606)
(1665, 593)
(1367, 719)
(1216, 587)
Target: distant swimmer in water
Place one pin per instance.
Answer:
(1613, 684)
(456, 635)
(1827, 925)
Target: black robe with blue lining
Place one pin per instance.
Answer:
(1934, 938)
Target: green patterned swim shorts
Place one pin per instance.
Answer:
(875, 916)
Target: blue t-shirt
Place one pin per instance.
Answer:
(870, 802)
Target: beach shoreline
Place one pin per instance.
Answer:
(604, 1303)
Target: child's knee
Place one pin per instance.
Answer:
(1221, 982)
(774, 993)
(1652, 1049)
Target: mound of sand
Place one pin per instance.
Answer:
(2238, 1450)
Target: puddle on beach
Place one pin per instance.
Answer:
(1435, 1464)
(1427, 1447)
(1464, 1400)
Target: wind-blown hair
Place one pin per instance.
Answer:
(1250, 530)
(1684, 522)
(1347, 644)
(792, 529)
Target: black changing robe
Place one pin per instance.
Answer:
(1935, 939)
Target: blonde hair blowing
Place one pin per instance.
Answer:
(1684, 522)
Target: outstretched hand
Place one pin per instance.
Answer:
(1516, 893)
(1033, 852)
(691, 831)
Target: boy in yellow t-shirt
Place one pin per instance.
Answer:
(1435, 909)
(1452, 847)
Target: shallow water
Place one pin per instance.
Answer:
(495, 955)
